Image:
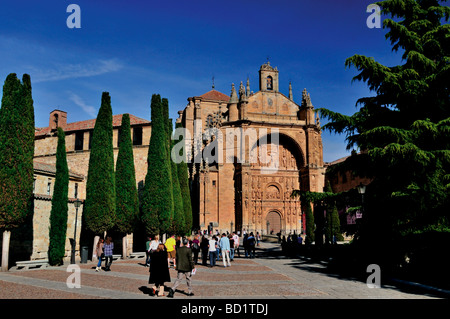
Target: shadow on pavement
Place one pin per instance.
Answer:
(345, 270)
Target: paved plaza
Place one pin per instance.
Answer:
(269, 276)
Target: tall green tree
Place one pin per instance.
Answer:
(403, 130)
(157, 198)
(179, 222)
(58, 213)
(127, 204)
(16, 157)
(176, 220)
(100, 205)
(183, 179)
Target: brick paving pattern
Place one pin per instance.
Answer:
(270, 275)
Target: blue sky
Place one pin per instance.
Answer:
(133, 49)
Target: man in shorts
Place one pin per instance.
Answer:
(171, 252)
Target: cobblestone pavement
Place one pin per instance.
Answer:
(269, 276)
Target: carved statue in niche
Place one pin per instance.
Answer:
(272, 192)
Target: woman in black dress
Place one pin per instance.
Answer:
(159, 270)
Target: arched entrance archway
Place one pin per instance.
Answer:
(273, 222)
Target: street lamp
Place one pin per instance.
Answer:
(77, 204)
(268, 227)
(231, 226)
(362, 189)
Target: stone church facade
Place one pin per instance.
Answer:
(269, 146)
(248, 152)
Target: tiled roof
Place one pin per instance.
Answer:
(89, 124)
(340, 160)
(215, 96)
(49, 168)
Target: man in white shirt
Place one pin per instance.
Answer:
(212, 251)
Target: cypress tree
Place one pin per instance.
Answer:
(183, 179)
(127, 205)
(157, 203)
(100, 204)
(168, 131)
(179, 223)
(16, 157)
(58, 214)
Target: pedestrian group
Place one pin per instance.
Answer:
(182, 254)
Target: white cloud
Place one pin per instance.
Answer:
(71, 71)
(80, 102)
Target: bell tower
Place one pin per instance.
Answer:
(268, 78)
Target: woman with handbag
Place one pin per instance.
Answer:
(100, 255)
(159, 270)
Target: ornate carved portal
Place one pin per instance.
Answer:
(271, 207)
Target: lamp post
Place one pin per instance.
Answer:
(77, 204)
(231, 227)
(361, 190)
(268, 227)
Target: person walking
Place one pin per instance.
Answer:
(212, 245)
(185, 265)
(100, 254)
(236, 244)
(153, 247)
(204, 246)
(171, 250)
(159, 270)
(225, 249)
(230, 238)
(245, 244)
(217, 247)
(108, 249)
(251, 243)
(147, 251)
(195, 245)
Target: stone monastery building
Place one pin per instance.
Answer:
(247, 190)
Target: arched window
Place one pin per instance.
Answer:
(269, 83)
(55, 119)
